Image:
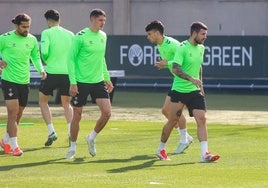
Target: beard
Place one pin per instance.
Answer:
(199, 41)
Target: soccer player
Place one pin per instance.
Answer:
(88, 74)
(187, 89)
(167, 47)
(17, 48)
(55, 46)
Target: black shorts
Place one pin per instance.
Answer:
(13, 90)
(193, 100)
(97, 90)
(169, 92)
(55, 81)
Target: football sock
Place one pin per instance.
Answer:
(6, 138)
(93, 135)
(203, 147)
(72, 146)
(183, 136)
(50, 128)
(162, 145)
(14, 142)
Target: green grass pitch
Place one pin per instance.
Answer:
(126, 158)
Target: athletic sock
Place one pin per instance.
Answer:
(162, 146)
(203, 147)
(93, 135)
(6, 138)
(50, 128)
(72, 146)
(183, 136)
(14, 142)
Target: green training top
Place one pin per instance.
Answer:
(17, 51)
(167, 50)
(190, 58)
(87, 63)
(55, 46)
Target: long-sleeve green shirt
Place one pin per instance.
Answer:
(86, 63)
(17, 51)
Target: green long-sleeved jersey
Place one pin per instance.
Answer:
(55, 46)
(86, 62)
(17, 51)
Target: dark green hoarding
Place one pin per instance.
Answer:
(232, 58)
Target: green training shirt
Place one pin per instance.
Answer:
(55, 46)
(87, 63)
(190, 58)
(167, 50)
(17, 51)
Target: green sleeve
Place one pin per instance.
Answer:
(44, 46)
(36, 59)
(71, 60)
(106, 73)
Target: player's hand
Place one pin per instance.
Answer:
(202, 91)
(3, 64)
(161, 64)
(197, 82)
(73, 90)
(109, 86)
(43, 75)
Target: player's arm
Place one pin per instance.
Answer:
(36, 60)
(201, 79)
(44, 46)
(74, 50)
(107, 78)
(177, 70)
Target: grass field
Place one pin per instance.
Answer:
(126, 150)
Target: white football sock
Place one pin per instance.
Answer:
(14, 142)
(72, 146)
(50, 128)
(6, 138)
(162, 145)
(93, 135)
(183, 136)
(203, 147)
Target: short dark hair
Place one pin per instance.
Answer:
(52, 14)
(21, 18)
(97, 12)
(197, 26)
(155, 25)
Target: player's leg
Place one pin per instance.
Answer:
(64, 86)
(77, 104)
(46, 89)
(11, 95)
(68, 111)
(198, 109)
(185, 139)
(173, 117)
(12, 127)
(100, 95)
(74, 130)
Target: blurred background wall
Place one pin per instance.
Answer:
(129, 17)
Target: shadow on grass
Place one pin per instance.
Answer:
(26, 165)
(146, 164)
(149, 162)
